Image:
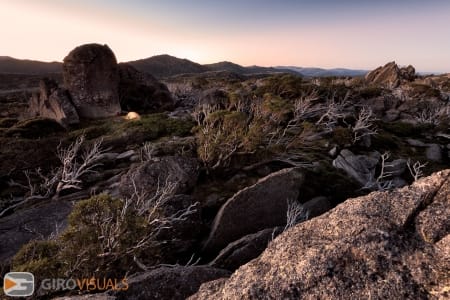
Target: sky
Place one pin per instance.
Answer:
(358, 34)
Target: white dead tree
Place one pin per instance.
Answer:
(332, 113)
(147, 152)
(74, 165)
(202, 111)
(416, 169)
(148, 206)
(364, 125)
(432, 115)
(304, 108)
(383, 181)
(72, 168)
(296, 213)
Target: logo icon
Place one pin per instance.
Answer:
(18, 284)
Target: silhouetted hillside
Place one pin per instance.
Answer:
(238, 69)
(24, 66)
(319, 72)
(226, 66)
(166, 66)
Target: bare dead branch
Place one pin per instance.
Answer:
(416, 169)
(295, 214)
(364, 125)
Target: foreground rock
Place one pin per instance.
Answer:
(386, 245)
(260, 206)
(91, 75)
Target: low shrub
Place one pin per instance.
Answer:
(370, 92)
(342, 136)
(404, 129)
(35, 128)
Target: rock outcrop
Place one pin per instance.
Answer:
(359, 167)
(91, 75)
(260, 206)
(141, 92)
(390, 75)
(54, 103)
(385, 245)
(177, 173)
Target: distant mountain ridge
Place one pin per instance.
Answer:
(319, 72)
(165, 65)
(24, 66)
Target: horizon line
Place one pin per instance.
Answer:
(427, 72)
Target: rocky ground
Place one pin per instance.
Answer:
(224, 186)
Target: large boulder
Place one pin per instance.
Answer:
(54, 103)
(260, 206)
(390, 75)
(178, 173)
(141, 92)
(91, 75)
(385, 245)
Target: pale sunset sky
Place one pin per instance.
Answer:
(358, 34)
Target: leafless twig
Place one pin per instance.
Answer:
(295, 214)
(416, 169)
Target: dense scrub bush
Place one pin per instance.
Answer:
(104, 237)
(39, 258)
(286, 86)
(222, 133)
(269, 122)
(99, 235)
